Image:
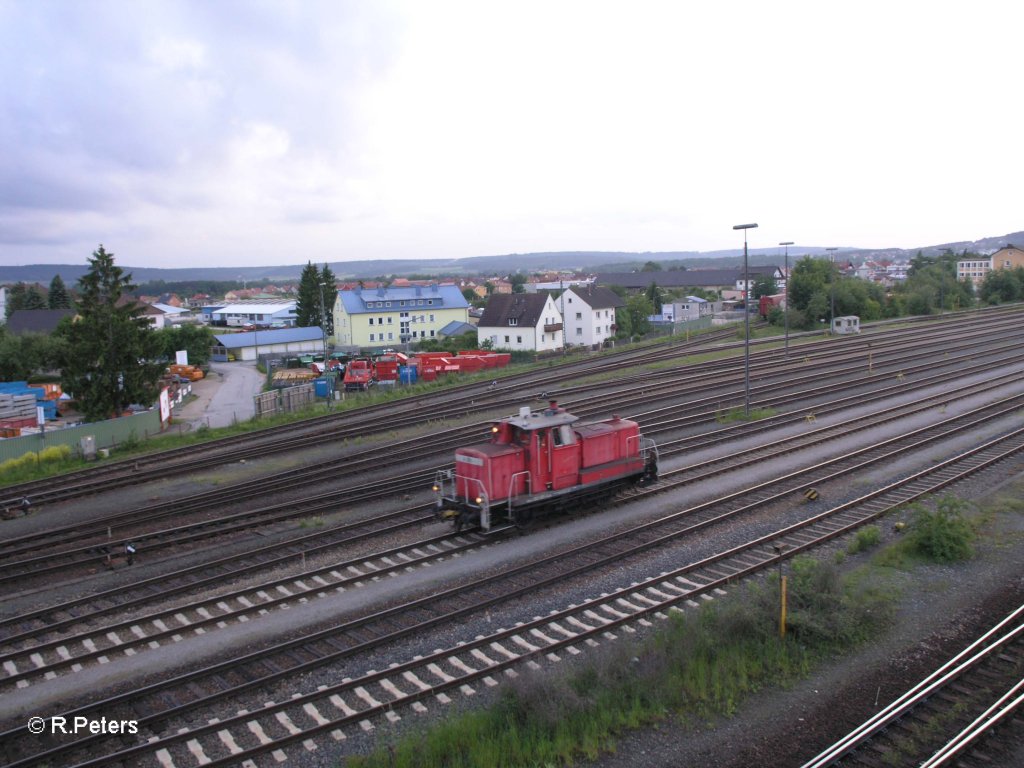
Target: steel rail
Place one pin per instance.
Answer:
(995, 637)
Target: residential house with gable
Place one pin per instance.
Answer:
(589, 314)
(383, 317)
(521, 322)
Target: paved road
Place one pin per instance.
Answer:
(224, 397)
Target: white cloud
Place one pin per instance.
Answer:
(330, 131)
(177, 54)
(258, 143)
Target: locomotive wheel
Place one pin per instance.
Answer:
(523, 519)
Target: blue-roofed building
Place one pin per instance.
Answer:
(385, 317)
(278, 342)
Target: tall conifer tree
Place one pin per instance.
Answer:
(112, 355)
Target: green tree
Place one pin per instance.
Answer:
(1002, 285)
(931, 284)
(329, 288)
(764, 286)
(34, 299)
(25, 355)
(653, 295)
(24, 296)
(112, 355)
(651, 266)
(307, 303)
(518, 281)
(58, 298)
(193, 338)
(810, 277)
(638, 309)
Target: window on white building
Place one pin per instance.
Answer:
(519, 339)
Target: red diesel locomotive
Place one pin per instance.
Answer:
(539, 462)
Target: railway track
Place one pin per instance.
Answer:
(947, 718)
(167, 739)
(41, 659)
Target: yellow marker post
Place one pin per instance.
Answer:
(782, 607)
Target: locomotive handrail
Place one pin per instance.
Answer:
(648, 446)
(511, 487)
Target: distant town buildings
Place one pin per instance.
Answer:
(975, 269)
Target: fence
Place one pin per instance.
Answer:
(107, 434)
(284, 400)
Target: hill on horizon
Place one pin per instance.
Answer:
(583, 261)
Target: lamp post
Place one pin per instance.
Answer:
(832, 280)
(785, 311)
(746, 311)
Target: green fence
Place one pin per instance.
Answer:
(107, 434)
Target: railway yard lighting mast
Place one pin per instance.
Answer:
(785, 309)
(746, 312)
(832, 279)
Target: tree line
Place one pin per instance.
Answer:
(816, 286)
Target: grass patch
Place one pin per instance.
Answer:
(29, 466)
(312, 522)
(940, 533)
(701, 664)
(737, 414)
(865, 538)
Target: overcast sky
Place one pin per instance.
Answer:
(217, 133)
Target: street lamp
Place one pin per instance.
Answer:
(832, 279)
(746, 311)
(785, 311)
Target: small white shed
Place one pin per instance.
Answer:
(846, 324)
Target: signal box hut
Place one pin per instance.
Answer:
(846, 324)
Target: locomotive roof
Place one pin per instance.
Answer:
(549, 417)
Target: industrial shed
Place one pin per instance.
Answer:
(281, 342)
